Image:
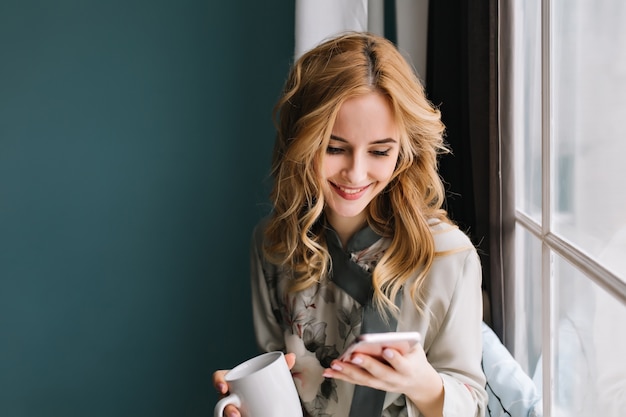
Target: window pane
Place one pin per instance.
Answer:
(527, 108)
(527, 349)
(589, 109)
(590, 371)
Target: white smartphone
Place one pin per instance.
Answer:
(373, 344)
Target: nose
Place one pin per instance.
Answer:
(355, 170)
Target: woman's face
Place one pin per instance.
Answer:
(360, 159)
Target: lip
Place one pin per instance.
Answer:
(350, 193)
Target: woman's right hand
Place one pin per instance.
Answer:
(222, 388)
(219, 382)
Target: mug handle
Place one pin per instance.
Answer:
(221, 404)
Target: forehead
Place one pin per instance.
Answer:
(365, 118)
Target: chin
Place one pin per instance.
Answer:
(347, 213)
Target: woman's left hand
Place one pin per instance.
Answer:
(410, 374)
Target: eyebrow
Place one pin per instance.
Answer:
(376, 142)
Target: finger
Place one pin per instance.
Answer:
(348, 372)
(291, 359)
(231, 411)
(374, 366)
(415, 358)
(393, 358)
(219, 382)
(370, 371)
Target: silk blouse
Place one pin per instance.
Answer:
(317, 324)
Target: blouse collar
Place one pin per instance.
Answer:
(362, 239)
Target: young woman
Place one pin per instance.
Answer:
(358, 242)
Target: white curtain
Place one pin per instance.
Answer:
(412, 33)
(318, 20)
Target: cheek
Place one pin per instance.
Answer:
(386, 169)
(328, 168)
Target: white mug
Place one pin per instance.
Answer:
(261, 387)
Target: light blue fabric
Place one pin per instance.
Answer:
(511, 391)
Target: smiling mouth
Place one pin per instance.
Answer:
(349, 191)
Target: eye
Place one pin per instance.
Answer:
(381, 152)
(331, 150)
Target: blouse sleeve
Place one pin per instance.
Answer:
(456, 349)
(269, 335)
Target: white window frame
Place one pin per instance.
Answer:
(552, 243)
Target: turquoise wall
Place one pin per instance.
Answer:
(135, 140)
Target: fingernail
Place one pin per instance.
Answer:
(233, 414)
(357, 360)
(336, 367)
(388, 353)
(327, 374)
(221, 387)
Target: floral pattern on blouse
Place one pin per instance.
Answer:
(318, 324)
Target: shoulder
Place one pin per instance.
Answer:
(260, 263)
(258, 232)
(453, 281)
(448, 238)
(456, 259)
(257, 246)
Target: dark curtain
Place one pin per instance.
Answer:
(462, 79)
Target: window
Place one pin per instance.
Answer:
(569, 70)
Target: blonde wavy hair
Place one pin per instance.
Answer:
(350, 65)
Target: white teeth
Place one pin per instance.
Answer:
(351, 191)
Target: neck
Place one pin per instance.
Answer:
(346, 227)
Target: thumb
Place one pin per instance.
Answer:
(291, 359)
